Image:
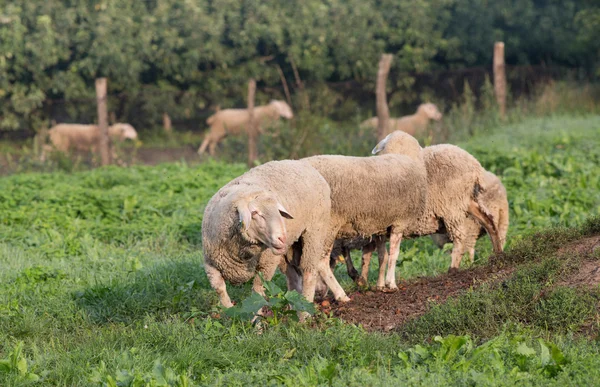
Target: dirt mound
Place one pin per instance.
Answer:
(386, 311)
(588, 273)
(378, 311)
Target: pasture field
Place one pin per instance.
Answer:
(102, 283)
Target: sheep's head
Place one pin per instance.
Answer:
(123, 131)
(430, 110)
(283, 108)
(399, 142)
(261, 221)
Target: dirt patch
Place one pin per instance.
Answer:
(583, 247)
(378, 311)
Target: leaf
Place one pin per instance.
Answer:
(289, 353)
(22, 366)
(544, 353)
(299, 303)
(525, 350)
(249, 307)
(5, 365)
(271, 289)
(158, 371)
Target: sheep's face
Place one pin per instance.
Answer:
(261, 221)
(399, 142)
(283, 109)
(431, 111)
(124, 131)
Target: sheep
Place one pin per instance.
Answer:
(234, 121)
(374, 196)
(455, 187)
(414, 124)
(65, 137)
(279, 208)
(455, 183)
(496, 201)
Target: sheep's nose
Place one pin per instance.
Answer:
(281, 239)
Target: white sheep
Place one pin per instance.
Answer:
(375, 195)
(276, 209)
(235, 121)
(455, 183)
(414, 124)
(65, 137)
(495, 199)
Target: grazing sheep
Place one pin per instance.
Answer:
(86, 138)
(374, 196)
(274, 209)
(455, 183)
(65, 137)
(234, 121)
(414, 124)
(496, 201)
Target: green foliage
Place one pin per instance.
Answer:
(282, 304)
(504, 354)
(160, 376)
(16, 364)
(182, 57)
(102, 275)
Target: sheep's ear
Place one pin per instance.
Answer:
(283, 211)
(381, 146)
(246, 212)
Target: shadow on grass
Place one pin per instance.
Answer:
(175, 288)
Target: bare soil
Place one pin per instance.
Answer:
(378, 311)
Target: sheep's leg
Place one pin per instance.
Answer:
(204, 144)
(383, 261)
(390, 281)
(367, 253)
(338, 292)
(457, 252)
(292, 275)
(472, 254)
(268, 271)
(352, 272)
(218, 283)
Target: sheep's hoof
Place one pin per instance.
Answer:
(344, 299)
(362, 282)
(390, 289)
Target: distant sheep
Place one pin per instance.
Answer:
(235, 121)
(414, 124)
(495, 199)
(66, 137)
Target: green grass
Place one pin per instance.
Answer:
(102, 281)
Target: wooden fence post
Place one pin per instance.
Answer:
(252, 127)
(167, 126)
(103, 121)
(500, 78)
(383, 113)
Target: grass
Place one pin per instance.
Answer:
(102, 283)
